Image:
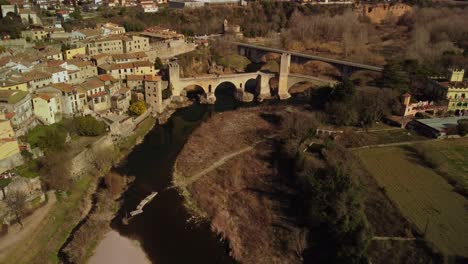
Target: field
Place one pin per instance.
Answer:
(455, 153)
(423, 196)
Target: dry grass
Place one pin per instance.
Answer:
(242, 197)
(422, 195)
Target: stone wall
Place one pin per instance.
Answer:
(165, 50)
(83, 162)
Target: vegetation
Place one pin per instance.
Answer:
(16, 203)
(137, 108)
(237, 62)
(462, 127)
(158, 64)
(422, 195)
(44, 243)
(344, 106)
(334, 212)
(11, 25)
(89, 126)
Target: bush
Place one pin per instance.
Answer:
(53, 139)
(137, 108)
(462, 127)
(89, 126)
(234, 61)
(431, 158)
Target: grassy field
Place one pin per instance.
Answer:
(455, 153)
(423, 196)
(44, 243)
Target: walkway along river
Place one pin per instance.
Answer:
(164, 229)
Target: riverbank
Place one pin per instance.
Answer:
(228, 174)
(117, 249)
(82, 242)
(44, 243)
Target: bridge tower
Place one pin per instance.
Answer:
(283, 76)
(174, 77)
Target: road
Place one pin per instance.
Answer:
(31, 223)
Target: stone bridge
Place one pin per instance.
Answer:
(346, 68)
(261, 79)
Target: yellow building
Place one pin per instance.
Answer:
(457, 92)
(122, 70)
(46, 107)
(69, 54)
(8, 145)
(14, 85)
(34, 34)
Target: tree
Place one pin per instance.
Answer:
(56, 171)
(53, 139)
(158, 64)
(89, 126)
(463, 127)
(16, 202)
(395, 77)
(76, 15)
(137, 108)
(344, 91)
(342, 114)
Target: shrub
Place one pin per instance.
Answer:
(89, 126)
(431, 158)
(462, 127)
(137, 108)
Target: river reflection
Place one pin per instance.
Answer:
(163, 229)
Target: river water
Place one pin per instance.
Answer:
(164, 230)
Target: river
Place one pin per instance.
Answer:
(164, 230)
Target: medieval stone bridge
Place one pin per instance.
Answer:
(346, 68)
(261, 79)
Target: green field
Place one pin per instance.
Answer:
(423, 196)
(455, 152)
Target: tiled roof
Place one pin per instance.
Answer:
(35, 75)
(44, 96)
(64, 87)
(92, 83)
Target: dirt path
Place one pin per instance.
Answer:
(191, 179)
(394, 238)
(31, 223)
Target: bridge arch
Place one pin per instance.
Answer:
(193, 91)
(224, 87)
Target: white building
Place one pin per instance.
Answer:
(59, 74)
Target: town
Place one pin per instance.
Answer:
(87, 86)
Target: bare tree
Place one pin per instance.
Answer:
(16, 202)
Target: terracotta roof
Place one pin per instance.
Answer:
(44, 96)
(35, 75)
(55, 63)
(99, 94)
(152, 78)
(134, 77)
(4, 61)
(92, 84)
(10, 115)
(106, 78)
(55, 69)
(80, 63)
(454, 84)
(135, 55)
(64, 87)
